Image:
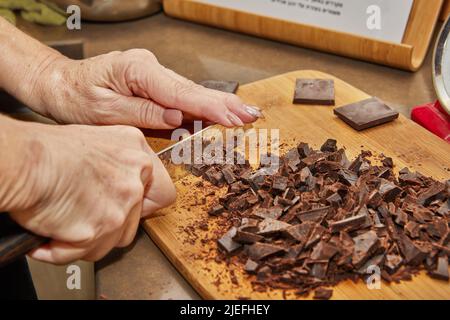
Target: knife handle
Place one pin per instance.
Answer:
(15, 242)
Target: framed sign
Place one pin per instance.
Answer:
(378, 19)
(390, 32)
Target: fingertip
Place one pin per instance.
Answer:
(42, 254)
(246, 114)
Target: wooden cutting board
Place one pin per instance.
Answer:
(190, 248)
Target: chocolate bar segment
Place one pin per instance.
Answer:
(314, 91)
(366, 114)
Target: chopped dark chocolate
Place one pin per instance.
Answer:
(366, 114)
(315, 215)
(228, 175)
(224, 86)
(216, 210)
(435, 189)
(270, 226)
(320, 219)
(348, 224)
(314, 91)
(251, 266)
(246, 237)
(389, 190)
(279, 183)
(227, 244)
(323, 294)
(272, 213)
(365, 246)
(329, 146)
(300, 232)
(393, 263)
(259, 251)
(323, 251)
(441, 271)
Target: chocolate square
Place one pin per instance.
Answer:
(314, 91)
(224, 86)
(366, 114)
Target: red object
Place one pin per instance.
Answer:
(433, 118)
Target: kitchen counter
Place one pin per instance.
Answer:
(199, 52)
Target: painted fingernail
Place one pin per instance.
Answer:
(253, 111)
(234, 119)
(173, 118)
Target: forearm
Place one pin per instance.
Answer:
(18, 156)
(22, 62)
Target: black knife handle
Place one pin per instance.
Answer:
(15, 242)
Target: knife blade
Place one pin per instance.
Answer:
(16, 241)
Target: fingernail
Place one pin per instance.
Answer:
(254, 111)
(173, 118)
(234, 119)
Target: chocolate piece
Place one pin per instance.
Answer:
(412, 253)
(216, 210)
(270, 226)
(366, 114)
(435, 189)
(315, 236)
(335, 199)
(323, 294)
(259, 251)
(324, 251)
(303, 150)
(393, 263)
(402, 218)
(300, 232)
(224, 86)
(329, 146)
(272, 213)
(412, 229)
(314, 91)
(246, 237)
(228, 175)
(227, 244)
(348, 224)
(198, 169)
(279, 183)
(315, 215)
(214, 176)
(319, 269)
(251, 266)
(249, 225)
(365, 245)
(388, 162)
(441, 271)
(389, 190)
(347, 177)
(374, 261)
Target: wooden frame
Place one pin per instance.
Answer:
(445, 10)
(409, 55)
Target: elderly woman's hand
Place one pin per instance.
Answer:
(131, 88)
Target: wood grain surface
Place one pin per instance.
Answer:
(408, 55)
(192, 250)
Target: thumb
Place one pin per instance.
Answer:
(144, 113)
(57, 252)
